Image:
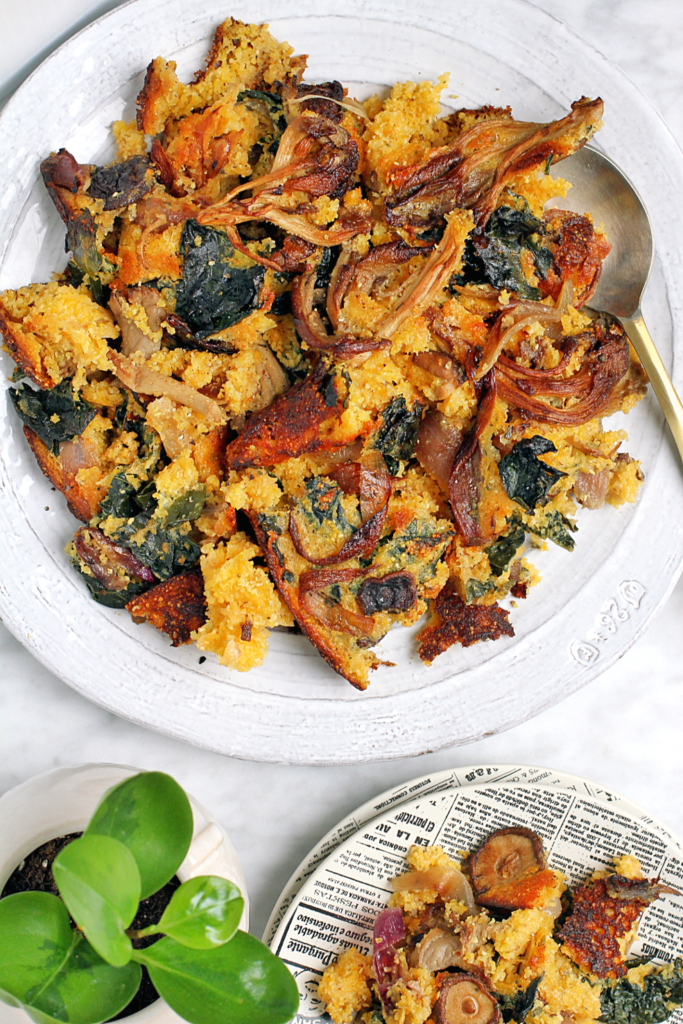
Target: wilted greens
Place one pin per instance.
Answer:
(219, 287)
(626, 1003)
(54, 414)
(526, 479)
(397, 437)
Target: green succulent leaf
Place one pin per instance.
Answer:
(240, 981)
(151, 815)
(52, 972)
(99, 881)
(203, 913)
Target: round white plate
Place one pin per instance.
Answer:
(437, 782)
(581, 832)
(592, 604)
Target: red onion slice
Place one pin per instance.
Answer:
(388, 933)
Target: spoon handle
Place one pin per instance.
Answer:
(659, 378)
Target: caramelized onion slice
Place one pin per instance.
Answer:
(437, 951)
(77, 454)
(644, 890)
(590, 489)
(437, 442)
(151, 382)
(446, 879)
(112, 565)
(375, 483)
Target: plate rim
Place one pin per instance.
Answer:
(368, 712)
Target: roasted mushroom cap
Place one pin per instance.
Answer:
(503, 866)
(396, 592)
(464, 1000)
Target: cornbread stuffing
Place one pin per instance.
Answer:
(322, 364)
(500, 937)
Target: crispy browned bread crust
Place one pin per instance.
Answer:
(176, 607)
(83, 502)
(462, 623)
(597, 922)
(24, 349)
(290, 426)
(309, 626)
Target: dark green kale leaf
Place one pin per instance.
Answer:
(37, 409)
(81, 242)
(187, 507)
(525, 478)
(123, 183)
(558, 529)
(516, 1008)
(494, 255)
(271, 524)
(216, 290)
(477, 588)
(120, 500)
(503, 550)
(328, 258)
(110, 598)
(323, 503)
(622, 1002)
(397, 437)
(75, 277)
(165, 551)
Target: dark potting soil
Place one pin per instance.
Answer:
(34, 874)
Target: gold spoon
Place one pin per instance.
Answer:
(600, 188)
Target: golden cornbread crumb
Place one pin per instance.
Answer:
(238, 593)
(129, 140)
(345, 987)
(405, 128)
(60, 329)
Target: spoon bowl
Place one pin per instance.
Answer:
(600, 188)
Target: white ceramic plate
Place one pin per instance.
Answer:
(473, 776)
(583, 828)
(592, 604)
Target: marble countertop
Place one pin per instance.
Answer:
(623, 730)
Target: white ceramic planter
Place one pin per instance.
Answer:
(63, 801)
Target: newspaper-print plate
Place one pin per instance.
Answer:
(337, 906)
(452, 778)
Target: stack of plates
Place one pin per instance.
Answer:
(334, 896)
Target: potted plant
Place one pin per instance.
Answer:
(139, 837)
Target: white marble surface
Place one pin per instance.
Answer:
(623, 730)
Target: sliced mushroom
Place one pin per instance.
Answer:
(395, 592)
(438, 950)
(464, 1000)
(503, 865)
(438, 441)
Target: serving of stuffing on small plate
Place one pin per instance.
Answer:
(499, 936)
